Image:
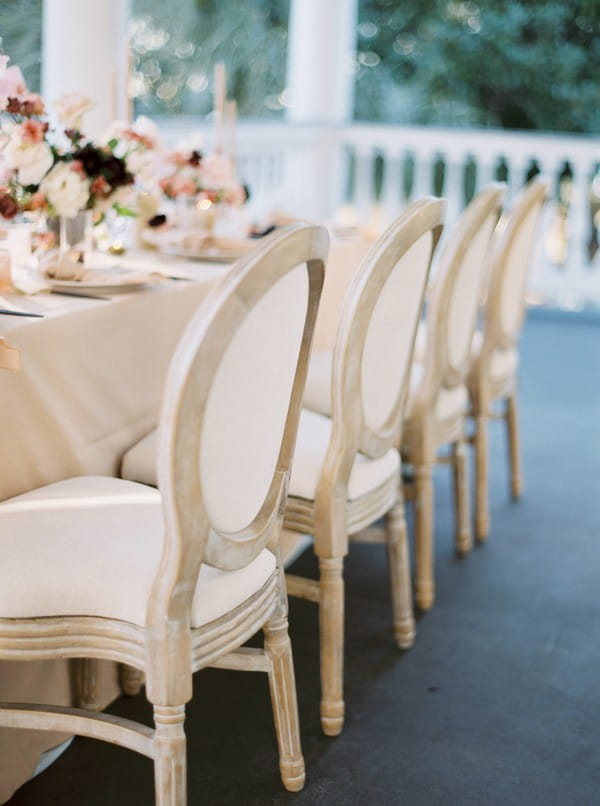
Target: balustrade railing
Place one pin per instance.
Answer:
(373, 171)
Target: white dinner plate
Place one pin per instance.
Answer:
(211, 255)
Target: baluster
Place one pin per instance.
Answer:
(363, 189)
(486, 170)
(578, 227)
(423, 175)
(517, 170)
(392, 187)
(544, 278)
(453, 187)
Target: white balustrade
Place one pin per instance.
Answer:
(304, 170)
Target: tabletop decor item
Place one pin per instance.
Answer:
(52, 168)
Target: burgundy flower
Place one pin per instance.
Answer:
(8, 206)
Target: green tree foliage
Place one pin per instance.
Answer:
(21, 36)
(508, 63)
(173, 54)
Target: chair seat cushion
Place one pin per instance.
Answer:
(91, 546)
(450, 402)
(139, 463)
(313, 438)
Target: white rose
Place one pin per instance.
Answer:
(71, 107)
(66, 190)
(31, 160)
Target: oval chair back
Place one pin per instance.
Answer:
(513, 248)
(456, 292)
(230, 414)
(377, 330)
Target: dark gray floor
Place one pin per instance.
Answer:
(497, 703)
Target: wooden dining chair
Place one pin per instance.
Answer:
(495, 358)
(438, 400)
(346, 469)
(173, 580)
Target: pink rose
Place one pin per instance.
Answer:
(11, 81)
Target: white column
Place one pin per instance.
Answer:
(320, 84)
(321, 50)
(85, 50)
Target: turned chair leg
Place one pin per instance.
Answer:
(460, 473)
(169, 755)
(514, 446)
(331, 631)
(130, 680)
(424, 578)
(482, 507)
(285, 707)
(399, 562)
(86, 684)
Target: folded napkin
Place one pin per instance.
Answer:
(195, 240)
(67, 268)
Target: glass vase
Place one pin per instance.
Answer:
(73, 233)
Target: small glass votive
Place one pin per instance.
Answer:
(18, 241)
(5, 272)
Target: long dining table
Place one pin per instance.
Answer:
(89, 386)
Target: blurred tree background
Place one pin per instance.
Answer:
(524, 64)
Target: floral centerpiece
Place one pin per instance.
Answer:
(53, 169)
(192, 175)
(203, 188)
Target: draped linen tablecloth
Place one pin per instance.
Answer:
(89, 386)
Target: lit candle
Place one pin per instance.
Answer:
(219, 104)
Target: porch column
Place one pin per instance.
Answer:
(85, 50)
(320, 83)
(321, 50)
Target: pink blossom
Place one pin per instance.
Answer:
(38, 201)
(33, 131)
(11, 81)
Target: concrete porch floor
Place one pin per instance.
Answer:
(498, 701)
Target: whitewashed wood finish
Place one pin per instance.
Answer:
(166, 649)
(485, 390)
(424, 432)
(331, 517)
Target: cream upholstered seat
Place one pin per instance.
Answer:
(173, 581)
(345, 473)
(438, 402)
(42, 527)
(495, 357)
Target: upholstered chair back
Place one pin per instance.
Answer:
(377, 330)
(513, 249)
(230, 413)
(455, 294)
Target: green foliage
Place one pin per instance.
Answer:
(508, 63)
(21, 37)
(173, 55)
